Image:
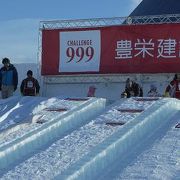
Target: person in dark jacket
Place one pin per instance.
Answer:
(8, 78)
(132, 89)
(30, 85)
(173, 88)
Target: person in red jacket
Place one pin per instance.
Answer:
(91, 91)
(30, 85)
(173, 88)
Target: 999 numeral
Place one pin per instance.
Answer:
(80, 53)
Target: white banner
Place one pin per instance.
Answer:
(80, 51)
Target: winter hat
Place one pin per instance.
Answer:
(29, 72)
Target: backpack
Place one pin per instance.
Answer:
(29, 87)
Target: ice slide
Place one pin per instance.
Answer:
(87, 151)
(156, 156)
(56, 120)
(117, 148)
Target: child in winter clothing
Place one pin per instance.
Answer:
(91, 91)
(30, 85)
(153, 91)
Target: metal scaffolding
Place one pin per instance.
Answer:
(47, 81)
(103, 22)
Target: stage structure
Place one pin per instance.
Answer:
(74, 54)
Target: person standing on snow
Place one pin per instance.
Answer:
(173, 88)
(132, 89)
(91, 91)
(8, 78)
(30, 85)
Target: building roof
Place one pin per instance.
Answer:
(157, 7)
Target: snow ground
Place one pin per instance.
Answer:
(156, 156)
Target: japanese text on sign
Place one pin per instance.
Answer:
(164, 48)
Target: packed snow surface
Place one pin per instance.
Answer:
(153, 144)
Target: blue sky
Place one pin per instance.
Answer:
(19, 21)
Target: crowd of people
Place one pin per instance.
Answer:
(30, 86)
(133, 89)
